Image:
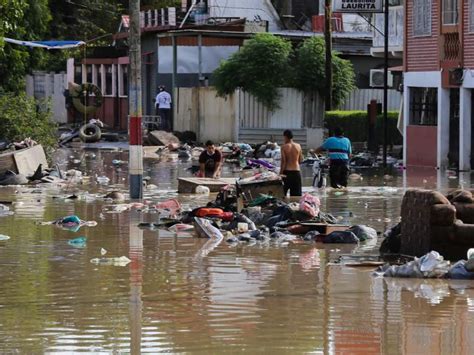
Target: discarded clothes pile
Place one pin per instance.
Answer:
(264, 219)
(431, 265)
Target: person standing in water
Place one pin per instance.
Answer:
(291, 156)
(163, 108)
(340, 151)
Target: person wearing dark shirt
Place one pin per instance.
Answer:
(210, 161)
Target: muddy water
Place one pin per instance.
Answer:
(172, 299)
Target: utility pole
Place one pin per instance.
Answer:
(328, 40)
(135, 104)
(385, 85)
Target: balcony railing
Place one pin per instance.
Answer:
(451, 47)
(395, 31)
(158, 18)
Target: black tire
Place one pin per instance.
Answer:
(90, 133)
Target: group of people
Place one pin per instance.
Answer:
(210, 161)
(339, 151)
(338, 147)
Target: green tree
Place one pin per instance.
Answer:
(26, 20)
(259, 68)
(20, 118)
(310, 74)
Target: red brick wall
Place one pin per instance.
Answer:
(421, 53)
(468, 38)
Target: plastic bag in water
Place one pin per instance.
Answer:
(78, 242)
(363, 232)
(459, 272)
(120, 261)
(345, 237)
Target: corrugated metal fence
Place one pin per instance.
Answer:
(297, 110)
(360, 98)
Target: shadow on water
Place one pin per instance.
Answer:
(258, 299)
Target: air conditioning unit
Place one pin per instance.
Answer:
(376, 78)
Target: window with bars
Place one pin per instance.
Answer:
(423, 106)
(422, 17)
(450, 12)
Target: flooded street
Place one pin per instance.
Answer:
(173, 299)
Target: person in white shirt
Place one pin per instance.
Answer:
(163, 108)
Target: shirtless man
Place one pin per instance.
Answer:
(291, 156)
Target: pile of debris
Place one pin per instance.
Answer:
(264, 219)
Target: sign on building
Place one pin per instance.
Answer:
(356, 6)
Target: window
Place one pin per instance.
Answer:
(88, 73)
(423, 106)
(124, 87)
(450, 12)
(97, 76)
(108, 80)
(78, 74)
(421, 17)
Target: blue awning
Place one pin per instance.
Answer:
(47, 44)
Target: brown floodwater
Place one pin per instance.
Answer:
(173, 299)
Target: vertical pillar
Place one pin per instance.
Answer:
(443, 128)
(200, 78)
(465, 129)
(406, 121)
(385, 84)
(135, 104)
(173, 78)
(328, 42)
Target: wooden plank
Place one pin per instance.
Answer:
(188, 185)
(255, 189)
(27, 160)
(7, 162)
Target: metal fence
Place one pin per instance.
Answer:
(360, 98)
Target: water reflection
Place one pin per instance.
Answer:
(266, 299)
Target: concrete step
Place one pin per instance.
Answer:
(260, 135)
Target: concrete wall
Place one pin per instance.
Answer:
(49, 86)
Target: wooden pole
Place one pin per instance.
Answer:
(135, 104)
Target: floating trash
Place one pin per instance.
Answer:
(4, 237)
(102, 180)
(78, 242)
(117, 261)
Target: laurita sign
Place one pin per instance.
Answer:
(355, 6)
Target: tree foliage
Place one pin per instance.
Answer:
(259, 68)
(27, 20)
(311, 75)
(267, 62)
(17, 124)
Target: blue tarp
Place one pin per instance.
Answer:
(47, 44)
